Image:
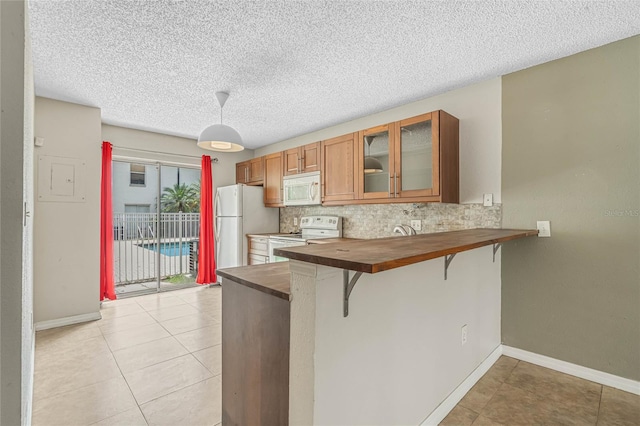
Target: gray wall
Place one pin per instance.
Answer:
(16, 131)
(570, 154)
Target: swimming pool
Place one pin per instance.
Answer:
(169, 249)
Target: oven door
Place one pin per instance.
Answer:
(275, 243)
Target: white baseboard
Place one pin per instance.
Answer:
(60, 322)
(597, 376)
(454, 397)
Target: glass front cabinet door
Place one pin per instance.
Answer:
(411, 160)
(376, 162)
(417, 157)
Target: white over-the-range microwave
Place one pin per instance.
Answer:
(302, 189)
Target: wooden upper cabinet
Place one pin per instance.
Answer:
(375, 162)
(256, 171)
(339, 164)
(302, 159)
(310, 157)
(273, 172)
(242, 172)
(250, 172)
(411, 160)
(292, 161)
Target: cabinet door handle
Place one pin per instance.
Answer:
(395, 184)
(394, 180)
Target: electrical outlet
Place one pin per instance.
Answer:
(544, 228)
(487, 200)
(295, 221)
(416, 224)
(463, 334)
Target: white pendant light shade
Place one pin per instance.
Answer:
(372, 165)
(220, 137)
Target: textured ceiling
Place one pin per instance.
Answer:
(294, 66)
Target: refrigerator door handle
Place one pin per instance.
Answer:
(216, 202)
(216, 237)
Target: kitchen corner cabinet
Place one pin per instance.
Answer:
(339, 164)
(412, 160)
(302, 159)
(250, 172)
(273, 172)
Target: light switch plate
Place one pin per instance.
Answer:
(487, 200)
(544, 228)
(416, 224)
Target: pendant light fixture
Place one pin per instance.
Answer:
(371, 164)
(219, 137)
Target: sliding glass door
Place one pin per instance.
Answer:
(156, 224)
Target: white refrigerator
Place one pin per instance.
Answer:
(240, 210)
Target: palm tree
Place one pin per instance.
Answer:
(181, 198)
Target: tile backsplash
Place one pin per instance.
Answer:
(378, 220)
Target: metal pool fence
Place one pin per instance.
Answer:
(147, 245)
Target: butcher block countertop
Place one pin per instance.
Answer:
(382, 254)
(270, 278)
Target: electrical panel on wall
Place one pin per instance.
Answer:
(61, 179)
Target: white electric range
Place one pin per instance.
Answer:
(312, 227)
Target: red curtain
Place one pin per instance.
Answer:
(206, 254)
(107, 287)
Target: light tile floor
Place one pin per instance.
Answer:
(515, 392)
(150, 360)
(156, 360)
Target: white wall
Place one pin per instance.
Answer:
(16, 130)
(398, 354)
(479, 109)
(67, 234)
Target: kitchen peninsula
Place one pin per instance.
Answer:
(360, 332)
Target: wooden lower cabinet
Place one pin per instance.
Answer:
(339, 169)
(255, 357)
(273, 172)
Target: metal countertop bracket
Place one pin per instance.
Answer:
(447, 262)
(348, 288)
(496, 247)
